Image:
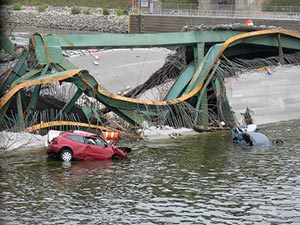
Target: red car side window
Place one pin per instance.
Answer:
(79, 139)
(100, 142)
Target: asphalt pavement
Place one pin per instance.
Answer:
(120, 69)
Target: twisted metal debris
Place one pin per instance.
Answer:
(43, 79)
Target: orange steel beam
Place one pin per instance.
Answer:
(226, 44)
(46, 48)
(24, 84)
(62, 123)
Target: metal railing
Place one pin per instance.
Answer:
(222, 10)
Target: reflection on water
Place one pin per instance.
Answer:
(203, 179)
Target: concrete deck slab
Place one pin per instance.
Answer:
(121, 69)
(273, 96)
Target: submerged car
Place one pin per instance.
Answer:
(81, 145)
(250, 136)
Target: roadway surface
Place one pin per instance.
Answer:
(273, 96)
(121, 69)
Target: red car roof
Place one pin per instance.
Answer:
(84, 133)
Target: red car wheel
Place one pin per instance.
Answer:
(116, 157)
(66, 155)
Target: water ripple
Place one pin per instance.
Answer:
(198, 180)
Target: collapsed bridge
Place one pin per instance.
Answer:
(197, 96)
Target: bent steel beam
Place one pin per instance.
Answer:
(48, 52)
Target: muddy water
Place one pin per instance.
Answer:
(202, 179)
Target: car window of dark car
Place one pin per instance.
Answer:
(76, 138)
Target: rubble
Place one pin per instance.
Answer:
(61, 18)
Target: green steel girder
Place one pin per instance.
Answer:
(238, 51)
(26, 76)
(203, 94)
(274, 43)
(288, 42)
(182, 81)
(20, 109)
(18, 71)
(46, 51)
(204, 110)
(270, 40)
(104, 40)
(7, 45)
(199, 52)
(218, 89)
(131, 116)
(34, 99)
(70, 104)
(204, 67)
(3, 111)
(280, 51)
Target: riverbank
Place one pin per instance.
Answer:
(61, 18)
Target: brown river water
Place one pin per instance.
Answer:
(202, 179)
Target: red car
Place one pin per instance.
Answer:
(81, 145)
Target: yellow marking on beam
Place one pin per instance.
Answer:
(5, 76)
(24, 84)
(149, 102)
(199, 87)
(33, 41)
(62, 123)
(262, 69)
(44, 125)
(46, 48)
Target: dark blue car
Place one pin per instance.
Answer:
(249, 136)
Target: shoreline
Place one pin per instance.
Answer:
(62, 19)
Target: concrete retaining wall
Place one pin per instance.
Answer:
(161, 23)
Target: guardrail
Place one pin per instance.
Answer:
(224, 13)
(224, 10)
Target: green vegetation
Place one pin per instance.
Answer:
(121, 12)
(126, 4)
(180, 1)
(125, 12)
(86, 12)
(42, 7)
(105, 12)
(75, 10)
(79, 3)
(17, 6)
(93, 3)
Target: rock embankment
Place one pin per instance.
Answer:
(62, 18)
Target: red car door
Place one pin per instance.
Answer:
(96, 150)
(77, 144)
